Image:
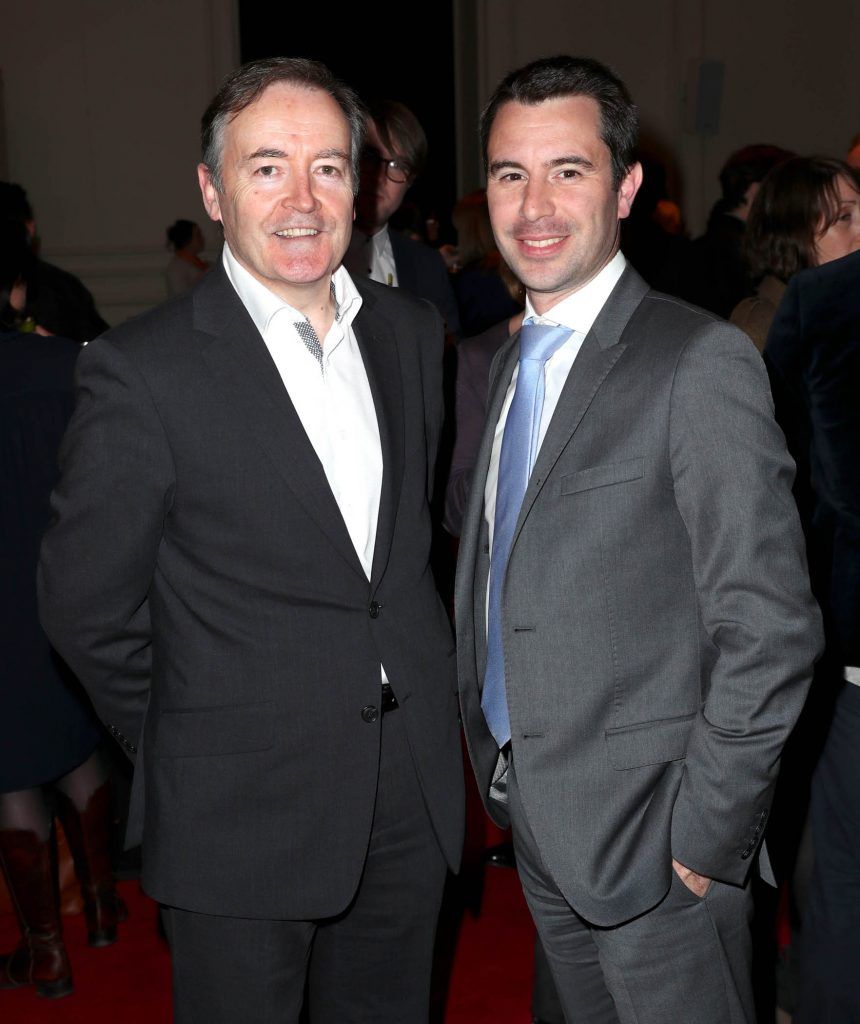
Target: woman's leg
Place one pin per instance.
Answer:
(84, 807)
(28, 864)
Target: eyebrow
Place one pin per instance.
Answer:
(579, 161)
(264, 152)
(332, 154)
(280, 154)
(558, 161)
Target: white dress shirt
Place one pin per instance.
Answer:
(333, 401)
(578, 312)
(372, 256)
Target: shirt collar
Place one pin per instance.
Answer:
(263, 304)
(382, 242)
(579, 310)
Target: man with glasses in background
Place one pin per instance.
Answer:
(393, 157)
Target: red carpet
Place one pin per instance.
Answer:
(129, 982)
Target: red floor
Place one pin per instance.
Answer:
(129, 982)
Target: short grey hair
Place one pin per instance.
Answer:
(245, 85)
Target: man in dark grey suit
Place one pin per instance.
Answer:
(238, 571)
(635, 627)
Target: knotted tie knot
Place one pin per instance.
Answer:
(538, 342)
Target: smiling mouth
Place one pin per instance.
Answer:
(297, 232)
(541, 243)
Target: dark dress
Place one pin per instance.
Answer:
(46, 727)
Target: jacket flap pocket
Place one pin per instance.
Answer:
(633, 746)
(602, 476)
(198, 732)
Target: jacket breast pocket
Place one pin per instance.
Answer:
(603, 476)
(656, 742)
(213, 731)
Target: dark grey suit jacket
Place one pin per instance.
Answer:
(658, 626)
(474, 359)
(200, 579)
(421, 271)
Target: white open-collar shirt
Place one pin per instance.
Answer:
(333, 400)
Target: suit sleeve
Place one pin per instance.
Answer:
(832, 381)
(471, 402)
(447, 299)
(732, 481)
(98, 556)
(431, 335)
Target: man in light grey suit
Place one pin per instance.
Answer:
(636, 631)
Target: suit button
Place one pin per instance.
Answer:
(370, 713)
(374, 610)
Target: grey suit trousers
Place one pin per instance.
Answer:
(685, 961)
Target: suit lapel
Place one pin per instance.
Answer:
(249, 382)
(378, 345)
(406, 277)
(602, 348)
(588, 372)
(472, 560)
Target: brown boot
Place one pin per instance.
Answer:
(87, 833)
(41, 958)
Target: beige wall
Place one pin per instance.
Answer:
(792, 70)
(101, 107)
(100, 102)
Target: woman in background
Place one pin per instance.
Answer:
(806, 213)
(49, 739)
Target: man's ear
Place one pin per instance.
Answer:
(627, 190)
(211, 201)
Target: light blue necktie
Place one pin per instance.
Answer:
(519, 451)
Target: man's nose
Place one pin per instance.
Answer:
(300, 194)
(537, 200)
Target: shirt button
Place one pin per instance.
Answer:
(374, 610)
(370, 713)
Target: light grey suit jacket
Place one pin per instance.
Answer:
(658, 626)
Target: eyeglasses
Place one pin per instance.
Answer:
(396, 169)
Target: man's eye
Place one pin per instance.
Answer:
(267, 171)
(511, 176)
(328, 170)
(569, 172)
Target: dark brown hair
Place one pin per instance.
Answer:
(795, 202)
(554, 77)
(401, 133)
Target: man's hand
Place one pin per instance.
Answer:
(697, 884)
